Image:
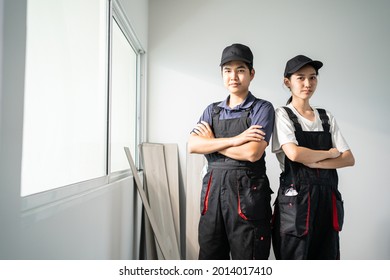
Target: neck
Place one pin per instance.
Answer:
(301, 105)
(304, 109)
(236, 99)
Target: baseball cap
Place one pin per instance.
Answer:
(237, 52)
(297, 62)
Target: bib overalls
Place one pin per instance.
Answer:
(308, 212)
(235, 201)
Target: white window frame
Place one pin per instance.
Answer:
(119, 16)
(39, 201)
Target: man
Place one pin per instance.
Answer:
(233, 135)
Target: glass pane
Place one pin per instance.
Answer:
(64, 136)
(123, 109)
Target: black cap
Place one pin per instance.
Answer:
(296, 63)
(237, 52)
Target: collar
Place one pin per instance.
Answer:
(250, 98)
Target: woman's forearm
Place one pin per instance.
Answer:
(344, 160)
(305, 155)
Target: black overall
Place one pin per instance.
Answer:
(308, 209)
(235, 201)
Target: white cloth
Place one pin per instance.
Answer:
(284, 131)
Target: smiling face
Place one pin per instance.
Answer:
(237, 77)
(302, 83)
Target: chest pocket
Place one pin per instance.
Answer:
(230, 127)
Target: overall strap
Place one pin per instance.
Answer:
(215, 112)
(247, 111)
(216, 108)
(325, 119)
(293, 118)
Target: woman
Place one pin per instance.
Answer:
(308, 212)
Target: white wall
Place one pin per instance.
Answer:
(186, 39)
(99, 223)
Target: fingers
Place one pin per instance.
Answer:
(256, 132)
(253, 133)
(259, 137)
(334, 152)
(203, 128)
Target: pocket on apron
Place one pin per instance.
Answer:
(254, 198)
(338, 210)
(294, 209)
(262, 241)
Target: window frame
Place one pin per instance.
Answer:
(119, 16)
(38, 201)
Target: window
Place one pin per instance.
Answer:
(123, 99)
(77, 115)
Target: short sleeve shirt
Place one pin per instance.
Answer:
(284, 131)
(262, 113)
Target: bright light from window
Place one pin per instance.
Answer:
(65, 109)
(124, 99)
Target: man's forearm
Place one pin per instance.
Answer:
(250, 151)
(204, 145)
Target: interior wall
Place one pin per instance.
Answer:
(100, 223)
(186, 39)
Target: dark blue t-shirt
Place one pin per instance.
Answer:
(262, 113)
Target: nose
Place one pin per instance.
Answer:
(233, 75)
(307, 83)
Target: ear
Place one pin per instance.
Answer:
(252, 74)
(287, 82)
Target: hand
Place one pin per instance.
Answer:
(204, 129)
(253, 133)
(334, 153)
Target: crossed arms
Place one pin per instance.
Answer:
(324, 159)
(249, 145)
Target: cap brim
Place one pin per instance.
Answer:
(315, 63)
(231, 58)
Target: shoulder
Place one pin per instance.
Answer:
(281, 111)
(263, 105)
(262, 102)
(209, 111)
(281, 108)
(319, 109)
(212, 106)
(282, 116)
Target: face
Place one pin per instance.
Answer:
(302, 83)
(237, 77)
